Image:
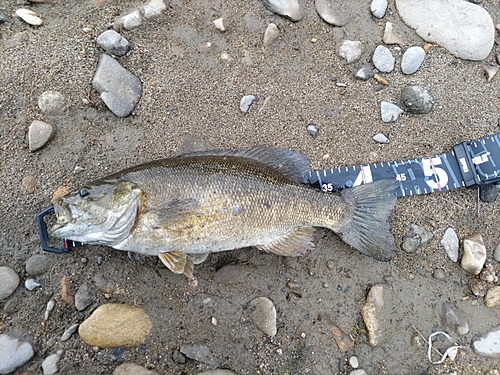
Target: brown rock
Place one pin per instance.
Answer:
(130, 368)
(372, 313)
(61, 191)
(492, 297)
(114, 325)
(29, 183)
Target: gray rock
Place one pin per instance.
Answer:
(417, 99)
(32, 284)
(439, 274)
(84, 296)
(14, 352)
(474, 254)
(364, 73)
(450, 244)
(217, 372)
(113, 42)
(38, 264)
(52, 103)
(39, 134)
(69, 332)
(119, 89)
(496, 253)
(383, 59)
(9, 281)
(350, 50)
(332, 12)
(373, 314)
(49, 364)
(380, 138)
(489, 193)
(263, 314)
(200, 353)
(288, 8)
(271, 35)
(246, 102)
(312, 130)
(129, 21)
(378, 8)
(464, 29)
(390, 112)
(417, 236)
(488, 345)
(4, 18)
(454, 320)
(412, 60)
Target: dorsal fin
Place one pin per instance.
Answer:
(291, 163)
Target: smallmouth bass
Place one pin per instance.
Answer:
(183, 208)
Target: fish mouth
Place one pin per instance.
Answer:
(64, 217)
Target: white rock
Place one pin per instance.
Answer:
(130, 21)
(488, 345)
(39, 133)
(29, 16)
(9, 281)
(219, 24)
(474, 254)
(288, 8)
(463, 28)
(350, 50)
(450, 243)
(378, 8)
(390, 112)
(331, 11)
(246, 102)
(49, 365)
(271, 35)
(383, 59)
(412, 60)
(153, 8)
(14, 352)
(358, 372)
(380, 138)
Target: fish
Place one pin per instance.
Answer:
(183, 208)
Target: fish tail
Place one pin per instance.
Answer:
(365, 226)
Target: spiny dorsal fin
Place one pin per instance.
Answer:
(296, 243)
(291, 163)
(175, 261)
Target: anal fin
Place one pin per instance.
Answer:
(296, 243)
(175, 261)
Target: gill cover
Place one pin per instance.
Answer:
(101, 213)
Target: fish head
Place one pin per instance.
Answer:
(99, 213)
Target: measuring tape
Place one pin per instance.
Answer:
(474, 163)
(469, 164)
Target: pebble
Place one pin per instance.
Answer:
(412, 60)
(48, 309)
(496, 253)
(474, 254)
(453, 320)
(383, 59)
(364, 73)
(372, 313)
(343, 340)
(390, 36)
(120, 90)
(490, 71)
(29, 183)
(263, 314)
(220, 24)
(417, 99)
(200, 353)
(450, 244)
(390, 112)
(288, 8)
(353, 361)
(478, 286)
(488, 345)
(49, 365)
(312, 130)
(351, 50)
(381, 79)
(439, 274)
(488, 274)
(129, 21)
(4, 18)
(29, 16)
(380, 138)
(39, 134)
(271, 35)
(358, 372)
(9, 281)
(84, 296)
(52, 103)
(246, 102)
(488, 193)
(32, 284)
(69, 332)
(492, 297)
(204, 47)
(330, 12)
(130, 368)
(14, 352)
(113, 43)
(153, 8)
(378, 8)
(217, 372)
(38, 264)
(464, 29)
(114, 325)
(417, 236)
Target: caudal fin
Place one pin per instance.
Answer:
(365, 227)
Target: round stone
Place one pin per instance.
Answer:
(417, 99)
(439, 273)
(263, 314)
(14, 352)
(383, 59)
(52, 103)
(412, 60)
(39, 134)
(9, 281)
(38, 264)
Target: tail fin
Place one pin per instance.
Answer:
(365, 227)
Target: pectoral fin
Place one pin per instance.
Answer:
(296, 243)
(198, 258)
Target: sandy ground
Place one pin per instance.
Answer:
(198, 93)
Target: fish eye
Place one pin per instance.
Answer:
(84, 192)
